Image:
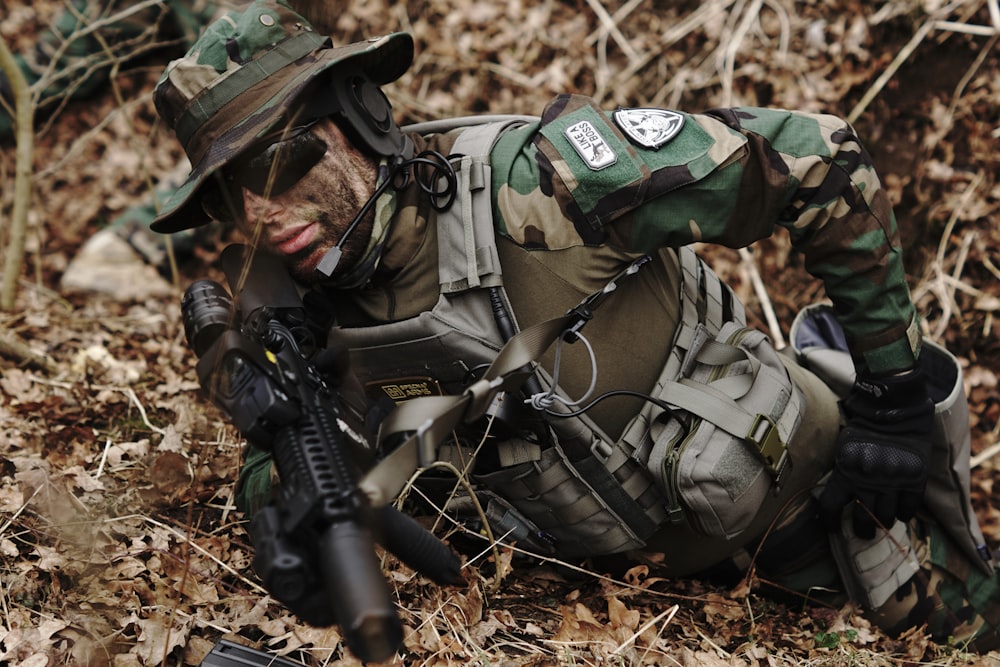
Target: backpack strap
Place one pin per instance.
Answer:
(430, 419)
(467, 253)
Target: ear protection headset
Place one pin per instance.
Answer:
(363, 113)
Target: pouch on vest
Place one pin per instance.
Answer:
(821, 346)
(873, 570)
(722, 449)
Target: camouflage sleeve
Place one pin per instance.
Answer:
(644, 179)
(257, 480)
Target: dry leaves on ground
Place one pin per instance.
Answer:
(120, 544)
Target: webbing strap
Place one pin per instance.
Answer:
(432, 418)
(711, 403)
(467, 253)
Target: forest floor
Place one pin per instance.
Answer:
(120, 543)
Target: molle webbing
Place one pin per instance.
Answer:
(704, 300)
(582, 493)
(588, 493)
(467, 251)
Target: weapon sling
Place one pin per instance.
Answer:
(430, 419)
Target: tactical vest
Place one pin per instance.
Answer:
(582, 488)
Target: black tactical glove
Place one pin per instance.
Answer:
(882, 453)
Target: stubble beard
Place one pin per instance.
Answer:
(348, 196)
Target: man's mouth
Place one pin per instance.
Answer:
(294, 240)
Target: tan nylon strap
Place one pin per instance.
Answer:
(713, 405)
(432, 418)
(720, 409)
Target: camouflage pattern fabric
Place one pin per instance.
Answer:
(257, 482)
(729, 177)
(132, 225)
(250, 71)
(958, 603)
(74, 55)
(630, 180)
(772, 167)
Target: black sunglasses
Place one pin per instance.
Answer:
(268, 170)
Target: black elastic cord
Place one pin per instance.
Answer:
(411, 170)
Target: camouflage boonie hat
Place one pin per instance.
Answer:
(245, 76)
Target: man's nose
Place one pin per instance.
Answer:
(261, 209)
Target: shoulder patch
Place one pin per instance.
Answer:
(649, 128)
(590, 145)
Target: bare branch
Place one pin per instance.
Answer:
(24, 112)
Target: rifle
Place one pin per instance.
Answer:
(314, 542)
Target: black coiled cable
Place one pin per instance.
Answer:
(402, 172)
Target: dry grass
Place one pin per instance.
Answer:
(119, 539)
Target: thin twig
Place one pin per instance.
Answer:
(24, 115)
(907, 50)
(726, 57)
(608, 24)
(949, 287)
(13, 517)
(462, 480)
(750, 264)
(228, 568)
(890, 71)
(620, 15)
(128, 391)
(966, 28)
(937, 267)
(971, 72)
(104, 458)
(6, 608)
(705, 12)
(635, 635)
(984, 455)
(13, 347)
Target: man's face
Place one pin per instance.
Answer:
(305, 221)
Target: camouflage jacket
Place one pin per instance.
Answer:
(728, 176)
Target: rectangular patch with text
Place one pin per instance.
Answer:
(590, 145)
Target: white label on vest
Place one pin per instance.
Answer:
(588, 142)
(650, 128)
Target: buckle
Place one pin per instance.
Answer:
(764, 434)
(584, 311)
(601, 450)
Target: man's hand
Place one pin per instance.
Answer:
(882, 453)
